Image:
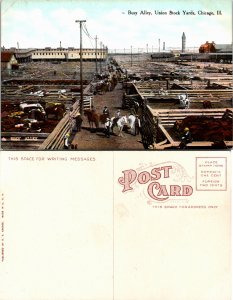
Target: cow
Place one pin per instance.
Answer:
(184, 101)
(207, 104)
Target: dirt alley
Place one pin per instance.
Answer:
(95, 139)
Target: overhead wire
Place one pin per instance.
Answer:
(6, 9)
(87, 34)
(85, 27)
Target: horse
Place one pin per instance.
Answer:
(120, 123)
(93, 118)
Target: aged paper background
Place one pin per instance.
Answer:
(71, 233)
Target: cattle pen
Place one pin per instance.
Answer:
(162, 114)
(147, 88)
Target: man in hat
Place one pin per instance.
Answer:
(78, 120)
(106, 111)
(67, 141)
(118, 114)
(107, 126)
(186, 138)
(137, 125)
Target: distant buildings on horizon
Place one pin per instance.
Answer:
(57, 54)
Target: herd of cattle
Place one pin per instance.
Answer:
(30, 117)
(206, 128)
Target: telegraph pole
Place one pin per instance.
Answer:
(101, 57)
(96, 67)
(131, 56)
(81, 67)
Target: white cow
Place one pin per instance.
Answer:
(184, 101)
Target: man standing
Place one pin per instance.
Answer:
(116, 118)
(186, 138)
(108, 125)
(106, 111)
(78, 120)
(118, 114)
(137, 125)
(67, 141)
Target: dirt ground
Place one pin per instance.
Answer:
(89, 139)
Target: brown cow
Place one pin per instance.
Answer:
(55, 109)
(207, 104)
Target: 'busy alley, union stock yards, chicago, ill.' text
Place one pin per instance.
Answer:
(174, 13)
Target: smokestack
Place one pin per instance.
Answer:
(60, 44)
(183, 42)
(18, 45)
(163, 45)
(159, 45)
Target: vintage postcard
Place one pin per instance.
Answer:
(116, 138)
(116, 75)
(115, 225)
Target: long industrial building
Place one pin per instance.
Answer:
(58, 54)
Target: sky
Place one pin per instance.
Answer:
(44, 23)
